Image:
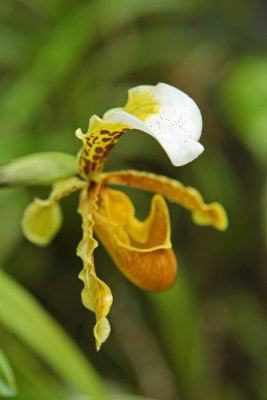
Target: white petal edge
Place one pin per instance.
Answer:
(180, 148)
(179, 108)
(177, 126)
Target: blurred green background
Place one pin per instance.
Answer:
(205, 339)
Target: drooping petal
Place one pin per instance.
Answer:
(141, 250)
(162, 111)
(97, 144)
(167, 114)
(42, 219)
(96, 295)
(202, 214)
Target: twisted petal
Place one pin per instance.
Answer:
(96, 295)
(42, 219)
(167, 114)
(202, 214)
(141, 250)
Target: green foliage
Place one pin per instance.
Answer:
(7, 380)
(23, 316)
(243, 98)
(182, 334)
(62, 61)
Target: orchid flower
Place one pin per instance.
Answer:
(142, 250)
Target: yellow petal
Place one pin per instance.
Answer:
(202, 214)
(42, 219)
(41, 222)
(141, 250)
(97, 144)
(65, 187)
(96, 295)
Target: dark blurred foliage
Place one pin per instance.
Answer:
(62, 61)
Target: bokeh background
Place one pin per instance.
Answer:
(206, 339)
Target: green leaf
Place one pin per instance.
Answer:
(243, 100)
(178, 322)
(80, 30)
(32, 382)
(264, 212)
(21, 314)
(12, 203)
(7, 380)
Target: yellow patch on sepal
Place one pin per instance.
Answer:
(96, 295)
(142, 102)
(203, 214)
(141, 249)
(97, 144)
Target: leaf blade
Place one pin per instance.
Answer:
(7, 379)
(19, 311)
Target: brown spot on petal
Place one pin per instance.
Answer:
(109, 147)
(93, 166)
(97, 143)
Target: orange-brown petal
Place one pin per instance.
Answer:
(141, 250)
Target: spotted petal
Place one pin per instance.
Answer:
(98, 141)
(167, 114)
(141, 249)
